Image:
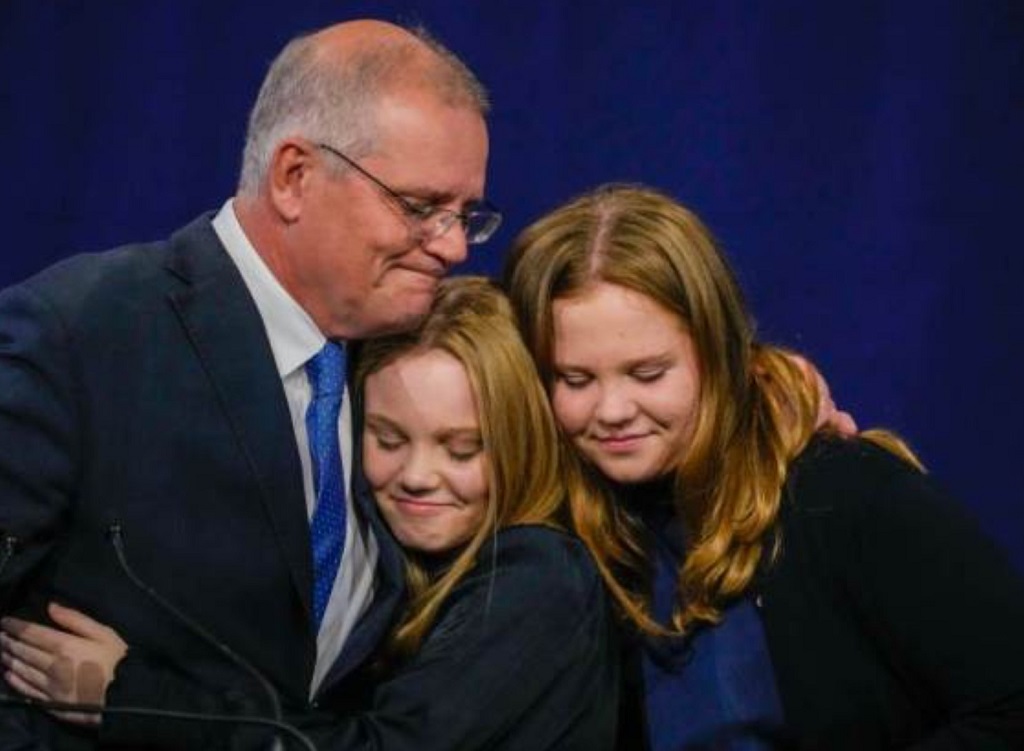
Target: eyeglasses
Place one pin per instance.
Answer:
(479, 220)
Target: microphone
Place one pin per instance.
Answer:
(116, 537)
(10, 542)
(165, 714)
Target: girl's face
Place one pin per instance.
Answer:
(627, 381)
(423, 453)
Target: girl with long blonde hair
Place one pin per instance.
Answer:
(787, 587)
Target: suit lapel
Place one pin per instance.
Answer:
(225, 329)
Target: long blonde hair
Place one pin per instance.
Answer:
(756, 412)
(530, 472)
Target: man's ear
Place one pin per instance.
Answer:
(288, 178)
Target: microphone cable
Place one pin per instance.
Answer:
(166, 714)
(116, 536)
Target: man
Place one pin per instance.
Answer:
(162, 400)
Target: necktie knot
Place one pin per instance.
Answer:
(326, 370)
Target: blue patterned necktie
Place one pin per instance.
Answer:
(326, 372)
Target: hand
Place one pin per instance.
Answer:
(829, 416)
(75, 664)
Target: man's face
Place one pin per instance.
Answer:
(357, 262)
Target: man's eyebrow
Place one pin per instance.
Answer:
(434, 197)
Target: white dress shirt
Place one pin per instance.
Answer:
(294, 339)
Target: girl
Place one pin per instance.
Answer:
(787, 587)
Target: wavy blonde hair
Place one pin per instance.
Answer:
(531, 473)
(757, 408)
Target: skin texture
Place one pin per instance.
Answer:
(424, 457)
(627, 381)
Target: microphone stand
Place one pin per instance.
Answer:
(116, 537)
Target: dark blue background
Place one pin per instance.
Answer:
(862, 163)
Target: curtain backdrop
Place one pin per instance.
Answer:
(862, 163)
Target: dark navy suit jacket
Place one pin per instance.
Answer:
(137, 387)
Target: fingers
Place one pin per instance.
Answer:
(77, 622)
(805, 366)
(76, 665)
(21, 674)
(26, 683)
(844, 423)
(15, 678)
(36, 666)
(27, 653)
(80, 624)
(35, 634)
(52, 674)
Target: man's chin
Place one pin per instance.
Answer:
(404, 320)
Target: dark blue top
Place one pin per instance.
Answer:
(715, 689)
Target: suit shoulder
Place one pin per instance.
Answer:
(119, 277)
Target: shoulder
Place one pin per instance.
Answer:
(88, 281)
(847, 498)
(837, 475)
(851, 500)
(829, 458)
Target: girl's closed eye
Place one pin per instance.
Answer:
(649, 374)
(573, 380)
(388, 440)
(465, 451)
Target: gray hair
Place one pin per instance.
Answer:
(304, 94)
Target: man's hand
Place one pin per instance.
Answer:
(75, 664)
(829, 416)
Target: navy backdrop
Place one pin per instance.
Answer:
(862, 163)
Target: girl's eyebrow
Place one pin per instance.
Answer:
(380, 421)
(472, 434)
(661, 359)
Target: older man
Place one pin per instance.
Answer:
(167, 411)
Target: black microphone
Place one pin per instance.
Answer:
(165, 714)
(10, 542)
(117, 540)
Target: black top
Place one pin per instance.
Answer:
(523, 656)
(891, 621)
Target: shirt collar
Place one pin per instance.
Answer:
(294, 337)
